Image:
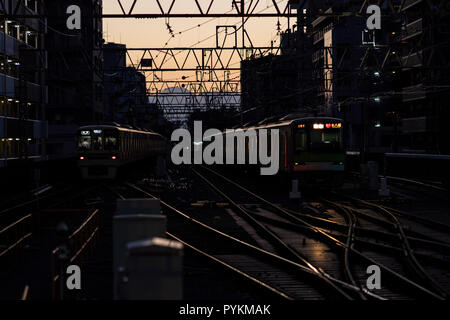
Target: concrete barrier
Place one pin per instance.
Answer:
(141, 206)
(132, 227)
(154, 270)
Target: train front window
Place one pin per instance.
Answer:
(325, 140)
(97, 143)
(84, 141)
(300, 140)
(97, 140)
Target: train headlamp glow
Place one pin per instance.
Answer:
(85, 133)
(81, 158)
(114, 157)
(318, 126)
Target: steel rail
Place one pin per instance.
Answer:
(430, 223)
(33, 201)
(81, 230)
(250, 246)
(351, 221)
(228, 266)
(297, 227)
(418, 183)
(295, 253)
(21, 238)
(408, 252)
(336, 241)
(26, 293)
(389, 224)
(336, 225)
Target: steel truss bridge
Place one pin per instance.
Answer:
(184, 78)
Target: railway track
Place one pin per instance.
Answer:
(28, 263)
(347, 246)
(400, 221)
(432, 190)
(288, 278)
(280, 238)
(364, 237)
(412, 187)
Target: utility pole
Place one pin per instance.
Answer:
(243, 22)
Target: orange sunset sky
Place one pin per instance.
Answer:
(154, 32)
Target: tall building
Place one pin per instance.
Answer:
(125, 90)
(75, 73)
(391, 85)
(23, 95)
(425, 92)
(347, 69)
(115, 62)
(269, 85)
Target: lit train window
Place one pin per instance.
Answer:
(84, 143)
(326, 140)
(110, 140)
(97, 143)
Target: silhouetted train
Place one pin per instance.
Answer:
(103, 149)
(311, 149)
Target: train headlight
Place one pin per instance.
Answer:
(318, 126)
(114, 157)
(81, 158)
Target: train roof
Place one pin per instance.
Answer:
(282, 123)
(291, 121)
(119, 128)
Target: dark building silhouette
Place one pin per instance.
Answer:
(114, 56)
(23, 130)
(270, 86)
(125, 92)
(75, 73)
(391, 86)
(424, 56)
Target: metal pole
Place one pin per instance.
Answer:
(243, 22)
(61, 281)
(363, 133)
(5, 104)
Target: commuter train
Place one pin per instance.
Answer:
(103, 149)
(311, 149)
